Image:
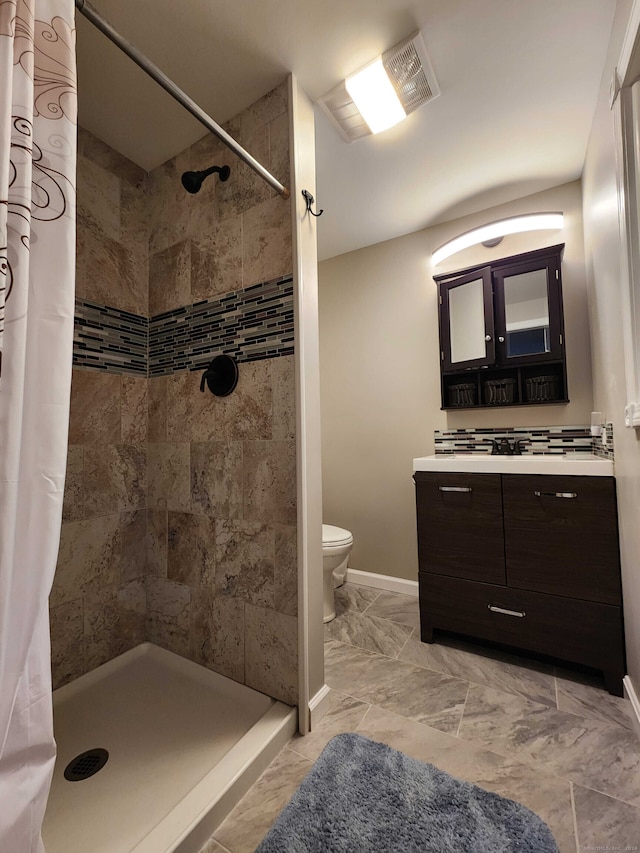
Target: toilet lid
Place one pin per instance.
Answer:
(335, 535)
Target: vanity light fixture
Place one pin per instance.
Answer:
(496, 230)
(383, 92)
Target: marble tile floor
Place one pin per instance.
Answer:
(549, 737)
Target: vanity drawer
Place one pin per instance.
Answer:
(578, 631)
(460, 528)
(561, 536)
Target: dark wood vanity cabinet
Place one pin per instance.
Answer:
(529, 561)
(502, 332)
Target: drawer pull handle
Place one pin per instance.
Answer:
(556, 494)
(455, 488)
(495, 609)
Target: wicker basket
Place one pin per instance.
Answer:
(542, 389)
(464, 394)
(499, 391)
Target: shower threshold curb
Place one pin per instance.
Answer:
(195, 818)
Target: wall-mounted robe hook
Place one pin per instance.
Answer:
(221, 376)
(310, 200)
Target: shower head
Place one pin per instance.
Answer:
(192, 181)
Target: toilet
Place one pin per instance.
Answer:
(336, 547)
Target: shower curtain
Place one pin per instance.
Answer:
(37, 269)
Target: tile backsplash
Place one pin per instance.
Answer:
(535, 440)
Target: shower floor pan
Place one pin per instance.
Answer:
(184, 745)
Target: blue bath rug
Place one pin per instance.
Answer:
(364, 797)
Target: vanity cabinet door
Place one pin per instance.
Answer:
(460, 529)
(561, 536)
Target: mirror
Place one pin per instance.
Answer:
(466, 321)
(526, 307)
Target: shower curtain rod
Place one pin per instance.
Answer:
(169, 86)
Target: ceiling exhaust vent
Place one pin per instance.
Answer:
(411, 73)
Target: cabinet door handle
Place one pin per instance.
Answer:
(455, 488)
(556, 494)
(495, 609)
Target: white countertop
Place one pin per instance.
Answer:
(570, 464)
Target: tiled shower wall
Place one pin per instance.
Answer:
(180, 511)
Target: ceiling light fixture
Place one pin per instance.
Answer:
(402, 79)
(374, 96)
(495, 230)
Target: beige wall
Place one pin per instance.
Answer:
(380, 380)
(606, 308)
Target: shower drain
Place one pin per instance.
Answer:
(86, 764)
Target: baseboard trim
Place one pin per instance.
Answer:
(386, 582)
(635, 703)
(318, 706)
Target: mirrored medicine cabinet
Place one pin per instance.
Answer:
(502, 332)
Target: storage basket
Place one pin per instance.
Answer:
(464, 394)
(542, 389)
(499, 391)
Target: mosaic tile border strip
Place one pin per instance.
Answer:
(604, 451)
(249, 324)
(110, 339)
(536, 440)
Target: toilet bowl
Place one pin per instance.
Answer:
(336, 547)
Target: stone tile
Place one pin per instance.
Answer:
(115, 478)
(115, 274)
(250, 820)
(133, 526)
(169, 203)
(169, 477)
(67, 635)
(368, 632)
(244, 189)
(397, 608)
(248, 412)
(343, 715)
(426, 697)
(266, 243)
(279, 149)
(545, 794)
(269, 481)
(191, 415)
(169, 615)
(157, 390)
(588, 698)
(604, 823)
(244, 560)
(98, 196)
(566, 744)
(102, 155)
(493, 668)
(134, 409)
(284, 398)
(170, 278)
(285, 583)
(216, 259)
(89, 557)
(157, 542)
(95, 408)
(73, 503)
(271, 653)
(273, 105)
(351, 596)
(216, 478)
(191, 549)
(217, 633)
(114, 621)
